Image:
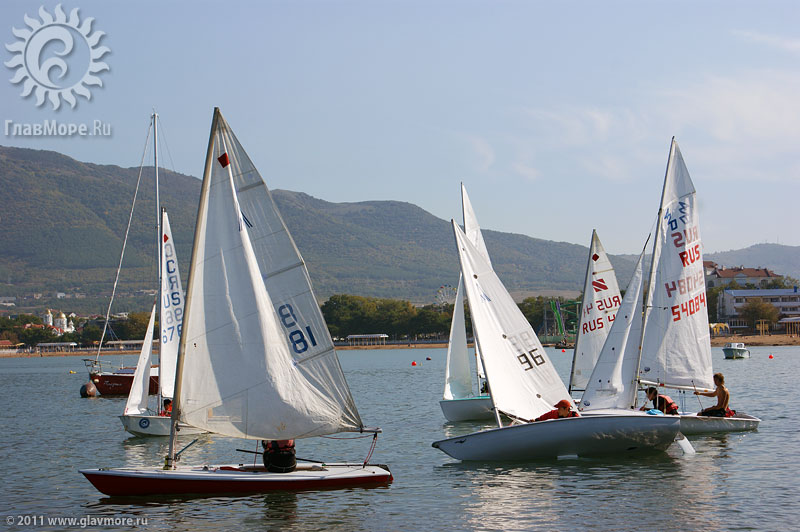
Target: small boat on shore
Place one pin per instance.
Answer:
(735, 350)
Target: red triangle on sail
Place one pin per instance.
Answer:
(166, 238)
(223, 160)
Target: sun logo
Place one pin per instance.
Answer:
(45, 49)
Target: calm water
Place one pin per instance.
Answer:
(734, 482)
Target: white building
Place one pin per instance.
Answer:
(786, 300)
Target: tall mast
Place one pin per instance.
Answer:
(158, 245)
(200, 222)
(651, 277)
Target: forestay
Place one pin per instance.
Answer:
(171, 318)
(140, 387)
(612, 383)
(676, 349)
(521, 377)
(258, 361)
(601, 299)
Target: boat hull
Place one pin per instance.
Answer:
(142, 425)
(468, 409)
(735, 352)
(233, 479)
(692, 424)
(119, 382)
(578, 436)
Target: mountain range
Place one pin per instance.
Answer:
(63, 224)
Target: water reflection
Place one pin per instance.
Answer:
(581, 493)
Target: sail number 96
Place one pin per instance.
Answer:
(299, 340)
(531, 358)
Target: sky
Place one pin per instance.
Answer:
(557, 116)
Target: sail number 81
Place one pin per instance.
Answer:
(296, 336)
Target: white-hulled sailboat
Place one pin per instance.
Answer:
(676, 343)
(138, 418)
(523, 385)
(459, 401)
(601, 299)
(256, 360)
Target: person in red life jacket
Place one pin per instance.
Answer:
(563, 409)
(167, 408)
(661, 402)
(723, 398)
(279, 456)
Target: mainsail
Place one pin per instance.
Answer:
(137, 397)
(601, 299)
(523, 382)
(676, 348)
(257, 360)
(171, 313)
(612, 383)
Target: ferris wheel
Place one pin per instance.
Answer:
(446, 295)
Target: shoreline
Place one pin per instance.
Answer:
(774, 340)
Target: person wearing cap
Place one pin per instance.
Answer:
(563, 409)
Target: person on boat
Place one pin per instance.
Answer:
(563, 409)
(661, 402)
(279, 456)
(167, 408)
(723, 398)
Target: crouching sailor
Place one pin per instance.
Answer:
(563, 409)
(279, 456)
(661, 402)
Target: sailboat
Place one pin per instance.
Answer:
(459, 402)
(676, 340)
(137, 417)
(523, 385)
(601, 299)
(256, 360)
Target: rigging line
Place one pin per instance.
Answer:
(166, 145)
(125, 241)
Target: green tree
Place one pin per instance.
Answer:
(756, 309)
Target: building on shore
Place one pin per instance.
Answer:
(730, 303)
(721, 276)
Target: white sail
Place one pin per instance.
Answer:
(601, 299)
(612, 383)
(474, 234)
(171, 317)
(457, 379)
(522, 380)
(471, 227)
(140, 388)
(676, 349)
(258, 360)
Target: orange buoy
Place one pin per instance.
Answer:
(770, 356)
(413, 362)
(563, 350)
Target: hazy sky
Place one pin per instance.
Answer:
(556, 115)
